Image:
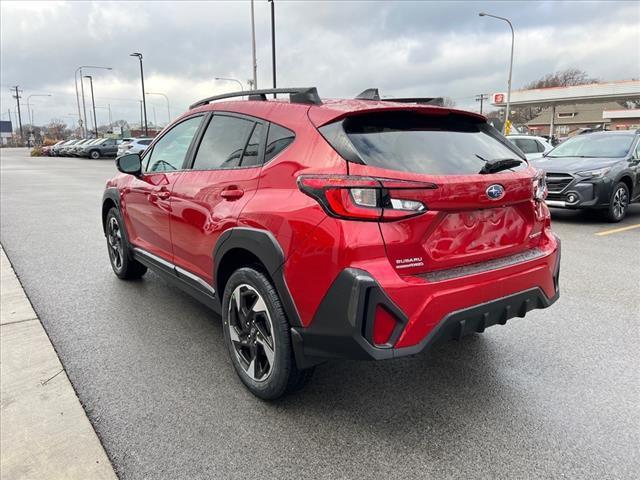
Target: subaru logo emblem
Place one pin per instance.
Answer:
(495, 191)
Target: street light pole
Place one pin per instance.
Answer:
(30, 112)
(93, 102)
(253, 49)
(144, 101)
(273, 42)
(231, 80)
(83, 126)
(506, 116)
(168, 108)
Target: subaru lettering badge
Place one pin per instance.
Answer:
(495, 191)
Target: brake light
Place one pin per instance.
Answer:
(364, 198)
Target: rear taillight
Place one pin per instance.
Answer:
(540, 190)
(364, 198)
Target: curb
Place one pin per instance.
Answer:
(44, 431)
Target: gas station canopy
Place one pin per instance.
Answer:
(596, 92)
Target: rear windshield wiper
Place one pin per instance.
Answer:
(498, 164)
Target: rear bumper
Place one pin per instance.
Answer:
(343, 324)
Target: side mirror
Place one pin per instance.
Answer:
(130, 163)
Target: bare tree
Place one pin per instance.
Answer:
(57, 128)
(564, 78)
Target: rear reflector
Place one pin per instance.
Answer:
(383, 326)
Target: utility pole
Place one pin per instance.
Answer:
(140, 114)
(481, 98)
(17, 97)
(273, 42)
(253, 49)
(93, 103)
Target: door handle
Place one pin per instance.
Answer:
(232, 193)
(163, 193)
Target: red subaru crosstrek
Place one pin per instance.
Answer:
(322, 229)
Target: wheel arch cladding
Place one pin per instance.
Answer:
(243, 246)
(109, 200)
(626, 179)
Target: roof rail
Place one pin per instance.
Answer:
(306, 95)
(374, 94)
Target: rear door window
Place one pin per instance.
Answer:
(223, 144)
(428, 144)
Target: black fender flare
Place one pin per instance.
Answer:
(263, 245)
(109, 194)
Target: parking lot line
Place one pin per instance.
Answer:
(618, 230)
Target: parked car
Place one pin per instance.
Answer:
(531, 146)
(74, 150)
(104, 147)
(343, 229)
(65, 150)
(136, 145)
(599, 170)
(47, 149)
(55, 150)
(123, 145)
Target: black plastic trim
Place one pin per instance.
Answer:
(264, 246)
(348, 310)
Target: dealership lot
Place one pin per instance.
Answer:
(554, 394)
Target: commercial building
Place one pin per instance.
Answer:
(556, 97)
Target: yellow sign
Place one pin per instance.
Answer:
(507, 127)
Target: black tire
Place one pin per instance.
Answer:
(122, 262)
(618, 203)
(94, 154)
(252, 336)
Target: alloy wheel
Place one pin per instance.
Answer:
(251, 332)
(620, 201)
(114, 239)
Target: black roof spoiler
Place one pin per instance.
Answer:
(306, 95)
(374, 94)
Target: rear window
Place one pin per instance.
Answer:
(427, 144)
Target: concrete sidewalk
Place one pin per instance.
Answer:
(44, 432)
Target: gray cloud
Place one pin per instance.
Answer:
(405, 48)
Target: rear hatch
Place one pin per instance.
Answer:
(475, 188)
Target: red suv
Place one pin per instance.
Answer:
(321, 229)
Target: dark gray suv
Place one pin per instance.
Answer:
(107, 147)
(599, 170)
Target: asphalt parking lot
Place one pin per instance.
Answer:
(554, 395)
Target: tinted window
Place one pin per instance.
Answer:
(279, 138)
(429, 144)
(144, 142)
(527, 145)
(594, 145)
(223, 143)
(169, 152)
(252, 151)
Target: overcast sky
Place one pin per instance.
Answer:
(342, 47)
